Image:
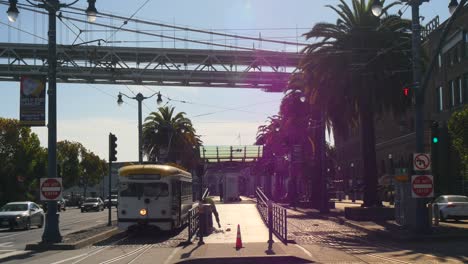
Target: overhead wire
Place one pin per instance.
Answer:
(24, 31)
(196, 30)
(126, 21)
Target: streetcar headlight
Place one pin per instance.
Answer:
(143, 212)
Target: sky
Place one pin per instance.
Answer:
(88, 113)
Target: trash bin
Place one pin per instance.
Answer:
(206, 219)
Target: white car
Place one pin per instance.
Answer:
(452, 207)
(21, 215)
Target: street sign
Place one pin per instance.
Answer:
(422, 186)
(421, 161)
(51, 189)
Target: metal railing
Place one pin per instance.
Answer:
(274, 216)
(194, 218)
(193, 224)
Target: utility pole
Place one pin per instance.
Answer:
(51, 231)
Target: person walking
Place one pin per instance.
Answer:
(221, 191)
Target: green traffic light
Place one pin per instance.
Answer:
(435, 140)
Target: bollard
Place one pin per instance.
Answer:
(201, 228)
(436, 214)
(429, 213)
(270, 225)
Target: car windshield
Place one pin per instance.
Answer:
(91, 200)
(155, 189)
(14, 208)
(459, 199)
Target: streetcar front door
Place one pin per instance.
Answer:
(176, 202)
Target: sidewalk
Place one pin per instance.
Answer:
(388, 229)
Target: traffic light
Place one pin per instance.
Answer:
(406, 91)
(112, 147)
(435, 132)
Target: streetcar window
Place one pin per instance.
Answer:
(155, 189)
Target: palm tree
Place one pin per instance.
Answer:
(357, 68)
(171, 137)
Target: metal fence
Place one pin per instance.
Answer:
(274, 216)
(194, 222)
(194, 218)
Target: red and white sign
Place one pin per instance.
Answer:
(51, 189)
(421, 161)
(422, 186)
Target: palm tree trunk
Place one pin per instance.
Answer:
(369, 155)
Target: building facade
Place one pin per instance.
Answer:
(447, 91)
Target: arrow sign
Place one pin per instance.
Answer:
(421, 161)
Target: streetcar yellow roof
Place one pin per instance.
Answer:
(163, 170)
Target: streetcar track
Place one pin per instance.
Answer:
(135, 251)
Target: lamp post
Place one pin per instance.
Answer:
(51, 231)
(139, 97)
(421, 223)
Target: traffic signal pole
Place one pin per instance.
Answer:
(421, 223)
(109, 220)
(112, 157)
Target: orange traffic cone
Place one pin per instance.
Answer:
(238, 239)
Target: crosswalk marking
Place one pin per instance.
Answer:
(6, 244)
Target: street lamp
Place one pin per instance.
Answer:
(139, 97)
(91, 12)
(51, 231)
(377, 8)
(453, 6)
(13, 11)
(353, 176)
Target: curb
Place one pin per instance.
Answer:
(71, 246)
(267, 259)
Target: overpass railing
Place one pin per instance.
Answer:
(274, 216)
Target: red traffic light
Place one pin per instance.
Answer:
(406, 91)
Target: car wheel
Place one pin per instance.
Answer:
(82, 210)
(27, 226)
(442, 217)
(41, 223)
(64, 209)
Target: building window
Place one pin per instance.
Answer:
(456, 54)
(452, 93)
(440, 99)
(460, 91)
(465, 95)
(466, 45)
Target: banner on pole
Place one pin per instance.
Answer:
(32, 101)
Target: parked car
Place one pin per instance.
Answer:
(61, 205)
(452, 207)
(113, 201)
(21, 215)
(92, 204)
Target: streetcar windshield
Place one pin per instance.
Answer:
(154, 189)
